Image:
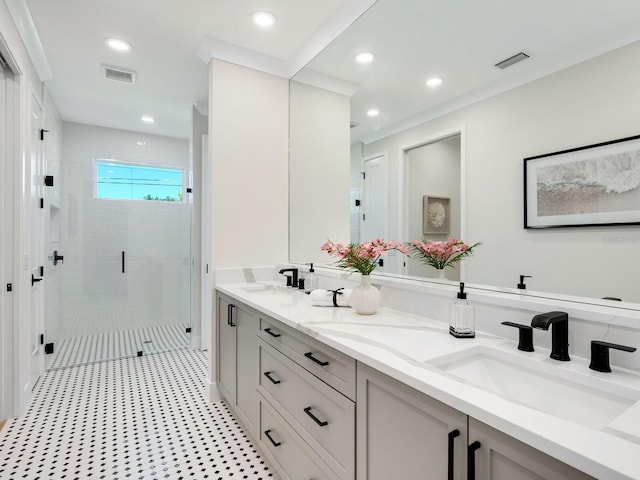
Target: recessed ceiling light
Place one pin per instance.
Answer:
(434, 82)
(147, 119)
(365, 57)
(263, 19)
(118, 45)
(373, 112)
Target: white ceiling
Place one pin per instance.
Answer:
(458, 40)
(165, 36)
(461, 41)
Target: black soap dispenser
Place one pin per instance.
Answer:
(461, 317)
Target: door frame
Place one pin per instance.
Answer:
(403, 183)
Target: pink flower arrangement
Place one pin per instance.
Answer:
(361, 257)
(441, 254)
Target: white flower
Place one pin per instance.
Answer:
(436, 214)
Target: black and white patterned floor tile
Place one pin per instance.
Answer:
(109, 345)
(138, 418)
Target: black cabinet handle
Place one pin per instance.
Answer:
(268, 434)
(123, 262)
(452, 435)
(230, 308)
(273, 380)
(268, 330)
(471, 460)
(314, 418)
(310, 356)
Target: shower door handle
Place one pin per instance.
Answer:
(123, 262)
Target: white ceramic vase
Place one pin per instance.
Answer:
(365, 299)
(440, 274)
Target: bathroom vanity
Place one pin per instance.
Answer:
(329, 394)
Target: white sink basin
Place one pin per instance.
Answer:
(581, 398)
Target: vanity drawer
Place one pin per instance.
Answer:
(331, 366)
(322, 416)
(292, 456)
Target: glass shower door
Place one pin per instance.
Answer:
(126, 278)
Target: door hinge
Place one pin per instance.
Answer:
(189, 190)
(41, 202)
(206, 268)
(42, 132)
(357, 203)
(9, 287)
(48, 180)
(42, 270)
(363, 216)
(188, 329)
(42, 339)
(48, 348)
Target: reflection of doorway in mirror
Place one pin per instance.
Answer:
(433, 172)
(373, 222)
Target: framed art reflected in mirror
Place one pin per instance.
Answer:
(436, 214)
(586, 186)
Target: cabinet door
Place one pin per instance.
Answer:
(227, 349)
(247, 367)
(501, 457)
(402, 433)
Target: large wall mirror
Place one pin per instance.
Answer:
(464, 141)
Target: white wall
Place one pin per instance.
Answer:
(155, 289)
(248, 131)
(319, 170)
(592, 102)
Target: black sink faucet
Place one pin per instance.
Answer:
(292, 281)
(559, 323)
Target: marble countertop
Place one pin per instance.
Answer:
(407, 348)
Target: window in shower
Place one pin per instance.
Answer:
(130, 181)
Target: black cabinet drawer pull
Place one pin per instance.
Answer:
(452, 435)
(268, 330)
(314, 418)
(230, 308)
(268, 434)
(471, 460)
(310, 356)
(273, 380)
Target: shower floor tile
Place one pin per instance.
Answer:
(83, 349)
(134, 418)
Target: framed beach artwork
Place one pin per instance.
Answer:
(435, 215)
(594, 185)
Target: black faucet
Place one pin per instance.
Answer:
(292, 281)
(559, 322)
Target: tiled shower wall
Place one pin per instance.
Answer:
(97, 297)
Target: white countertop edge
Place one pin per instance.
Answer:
(597, 453)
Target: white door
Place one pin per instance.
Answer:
(7, 181)
(37, 246)
(374, 203)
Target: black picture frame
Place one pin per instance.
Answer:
(588, 186)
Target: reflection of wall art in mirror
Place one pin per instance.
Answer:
(435, 215)
(586, 186)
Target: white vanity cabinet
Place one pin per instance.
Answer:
(238, 359)
(496, 456)
(318, 414)
(402, 433)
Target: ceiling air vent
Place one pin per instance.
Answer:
(507, 62)
(119, 75)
